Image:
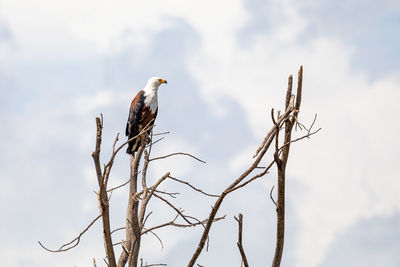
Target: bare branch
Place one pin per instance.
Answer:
(266, 140)
(300, 138)
(312, 124)
(174, 208)
(177, 153)
(163, 133)
(147, 216)
(102, 196)
(132, 242)
(261, 174)
(76, 240)
(144, 170)
(273, 116)
(191, 186)
(271, 132)
(119, 186)
(155, 142)
(270, 195)
(239, 243)
(124, 248)
(171, 194)
(281, 167)
(118, 229)
(289, 91)
(161, 225)
(159, 239)
(115, 142)
(299, 91)
(172, 223)
(147, 197)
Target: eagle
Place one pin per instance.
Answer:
(142, 112)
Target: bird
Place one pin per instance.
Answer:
(142, 113)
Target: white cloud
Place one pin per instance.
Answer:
(103, 23)
(101, 100)
(7, 188)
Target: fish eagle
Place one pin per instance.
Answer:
(143, 110)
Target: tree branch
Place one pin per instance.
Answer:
(191, 186)
(178, 153)
(239, 243)
(281, 167)
(103, 197)
(174, 224)
(77, 239)
(259, 155)
(132, 243)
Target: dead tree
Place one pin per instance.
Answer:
(140, 193)
(281, 122)
(139, 196)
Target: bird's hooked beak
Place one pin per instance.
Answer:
(163, 81)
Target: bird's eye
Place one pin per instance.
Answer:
(159, 80)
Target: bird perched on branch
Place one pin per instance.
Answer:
(142, 113)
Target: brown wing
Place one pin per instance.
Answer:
(134, 120)
(135, 115)
(147, 117)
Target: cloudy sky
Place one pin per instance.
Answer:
(64, 62)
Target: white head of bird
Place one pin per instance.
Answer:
(150, 92)
(153, 84)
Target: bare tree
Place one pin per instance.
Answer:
(140, 193)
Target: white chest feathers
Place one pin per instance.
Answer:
(151, 100)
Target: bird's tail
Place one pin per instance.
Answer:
(129, 149)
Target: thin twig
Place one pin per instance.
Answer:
(270, 195)
(191, 186)
(147, 197)
(76, 239)
(147, 216)
(118, 229)
(159, 239)
(119, 186)
(174, 208)
(172, 223)
(239, 243)
(161, 133)
(155, 142)
(171, 194)
(261, 174)
(175, 154)
(300, 138)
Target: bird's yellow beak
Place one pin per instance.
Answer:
(162, 81)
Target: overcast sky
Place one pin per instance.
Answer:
(64, 62)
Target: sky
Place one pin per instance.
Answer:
(62, 63)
